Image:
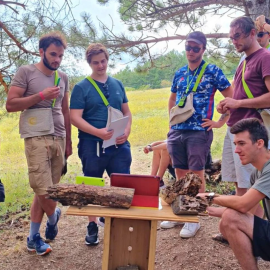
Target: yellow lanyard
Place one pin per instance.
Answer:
(189, 83)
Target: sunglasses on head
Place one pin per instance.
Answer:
(194, 49)
(261, 34)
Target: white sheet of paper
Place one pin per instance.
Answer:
(119, 127)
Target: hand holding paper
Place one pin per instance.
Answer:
(119, 136)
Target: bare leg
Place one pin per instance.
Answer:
(237, 228)
(39, 206)
(240, 191)
(201, 175)
(180, 173)
(156, 161)
(92, 218)
(164, 163)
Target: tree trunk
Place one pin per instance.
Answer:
(80, 195)
(258, 7)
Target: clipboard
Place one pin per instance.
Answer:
(118, 126)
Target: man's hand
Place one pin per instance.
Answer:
(123, 138)
(68, 149)
(51, 92)
(104, 134)
(229, 103)
(260, 22)
(220, 109)
(211, 124)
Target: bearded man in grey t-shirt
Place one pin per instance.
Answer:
(40, 91)
(247, 234)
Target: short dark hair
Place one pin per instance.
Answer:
(246, 24)
(95, 49)
(256, 129)
(56, 38)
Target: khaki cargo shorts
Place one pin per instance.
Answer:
(45, 158)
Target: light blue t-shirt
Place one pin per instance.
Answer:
(85, 96)
(203, 100)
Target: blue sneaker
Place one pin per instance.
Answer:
(91, 238)
(52, 230)
(37, 245)
(101, 222)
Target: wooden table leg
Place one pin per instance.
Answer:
(106, 246)
(152, 246)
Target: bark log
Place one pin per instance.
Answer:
(187, 205)
(181, 196)
(80, 195)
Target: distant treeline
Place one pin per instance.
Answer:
(160, 76)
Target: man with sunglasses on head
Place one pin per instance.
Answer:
(89, 114)
(189, 142)
(263, 35)
(255, 73)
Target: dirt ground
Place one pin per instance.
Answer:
(70, 252)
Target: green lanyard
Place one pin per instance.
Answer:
(183, 98)
(246, 88)
(268, 46)
(99, 91)
(189, 83)
(56, 77)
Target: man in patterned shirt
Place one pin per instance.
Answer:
(189, 142)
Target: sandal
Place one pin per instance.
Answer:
(219, 237)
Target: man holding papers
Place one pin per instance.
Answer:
(94, 101)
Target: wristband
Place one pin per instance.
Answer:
(41, 95)
(150, 147)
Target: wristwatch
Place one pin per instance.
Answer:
(210, 197)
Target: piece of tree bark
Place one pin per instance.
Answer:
(80, 195)
(187, 205)
(182, 196)
(188, 185)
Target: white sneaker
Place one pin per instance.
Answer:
(189, 230)
(169, 224)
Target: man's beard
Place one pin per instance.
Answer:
(47, 64)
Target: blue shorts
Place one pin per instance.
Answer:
(114, 160)
(189, 148)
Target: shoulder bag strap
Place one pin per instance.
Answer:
(199, 77)
(246, 88)
(183, 99)
(98, 90)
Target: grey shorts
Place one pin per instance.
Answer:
(232, 169)
(189, 148)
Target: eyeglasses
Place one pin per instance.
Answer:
(194, 49)
(106, 90)
(261, 34)
(237, 36)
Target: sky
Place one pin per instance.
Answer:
(103, 13)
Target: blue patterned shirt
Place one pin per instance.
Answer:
(203, 100)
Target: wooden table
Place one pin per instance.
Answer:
(130, 234)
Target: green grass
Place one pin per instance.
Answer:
(150, 123)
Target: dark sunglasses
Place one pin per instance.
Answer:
(106, 90)
(261, 34)
(194, 49)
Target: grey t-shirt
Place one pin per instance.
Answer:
(34, 81)
(260, 180)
